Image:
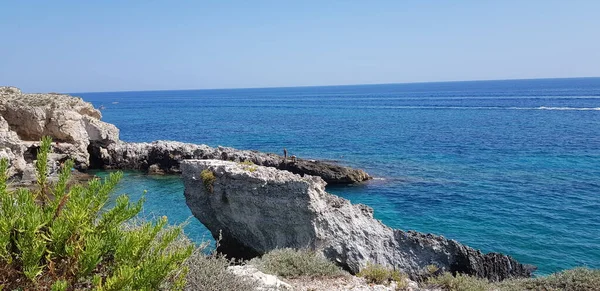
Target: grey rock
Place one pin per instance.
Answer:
(13, 150)
(265, 208)
(166, 156)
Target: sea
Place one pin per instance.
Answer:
(509, 166)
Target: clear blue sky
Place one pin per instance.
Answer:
(82, 46)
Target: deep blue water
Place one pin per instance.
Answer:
(505, 166)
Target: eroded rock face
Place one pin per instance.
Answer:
(68, 120)
(262, 208)
(166, 156)
(12, 149)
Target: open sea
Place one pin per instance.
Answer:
(505, 166)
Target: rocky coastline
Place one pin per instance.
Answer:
(79, 134)
(257, 201)
(257, 209)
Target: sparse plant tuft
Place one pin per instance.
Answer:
(208, 179)
(580, 279)
(248, 165)
(431, 269)
(296, 263)
(378, 274)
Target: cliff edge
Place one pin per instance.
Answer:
(257, 209)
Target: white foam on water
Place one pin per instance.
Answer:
(569, 108)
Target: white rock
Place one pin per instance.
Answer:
(265, 282)
(265, 208)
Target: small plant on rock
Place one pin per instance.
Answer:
(378, 274)
(248, 166)
(208, 179)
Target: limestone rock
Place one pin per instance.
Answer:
(68, 120)
(264, 281)
(266, 208)
(350, 283)
(12, 149)
(166, 156)
(79, 134)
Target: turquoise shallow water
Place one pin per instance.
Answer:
(506, 166)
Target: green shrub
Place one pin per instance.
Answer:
(379, 274)
(209, 273)
(459, 283)
(208, 179)
(578, 279)
(62, 238)
(583, 279)
(296, 263)
(432, 269)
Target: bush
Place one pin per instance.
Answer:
(296, 263)
(575, 279)
(583, 279)
(459, 283)
(379, 274)
(209, 273)
(208, 179)
(63, 238)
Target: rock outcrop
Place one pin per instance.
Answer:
(257, 209)
(79, 134)
(72, 123)
(165, 157)
(12, 148)
(264, 282)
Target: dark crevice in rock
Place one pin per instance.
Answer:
(30, 153)
(96, 162)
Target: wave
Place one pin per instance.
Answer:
(569, 108)
(489, 108)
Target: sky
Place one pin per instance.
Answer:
(88, 46)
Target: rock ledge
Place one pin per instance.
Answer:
(260, 209)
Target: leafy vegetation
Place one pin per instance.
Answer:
(63, 238)
(209, 273)
(289, 262)
(578, 279)
(379, 274)
(208, 179)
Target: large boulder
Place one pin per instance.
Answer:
(256, 209)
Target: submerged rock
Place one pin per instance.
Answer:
(262, 208)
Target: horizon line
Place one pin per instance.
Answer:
(334, 85)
